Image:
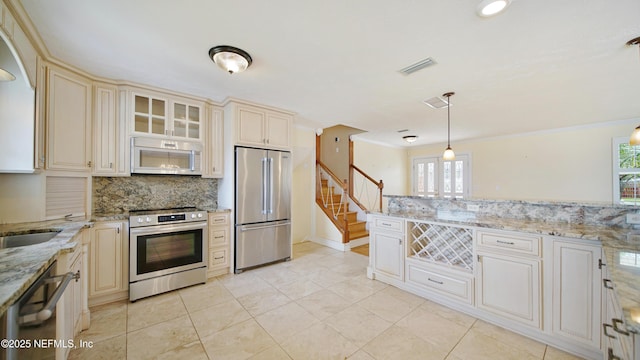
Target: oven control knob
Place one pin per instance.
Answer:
(199, 215)
(148, 219)
(140, 220)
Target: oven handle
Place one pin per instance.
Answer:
(168, 228)
(48, 309)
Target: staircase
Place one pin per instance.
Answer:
(346, 202)
(335, 206)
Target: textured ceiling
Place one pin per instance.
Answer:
(541, 64)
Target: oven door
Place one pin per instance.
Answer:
(166, 249)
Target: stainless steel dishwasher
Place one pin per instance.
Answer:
(31, 320)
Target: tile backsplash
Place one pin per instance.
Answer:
(121, 194)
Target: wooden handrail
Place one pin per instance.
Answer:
(333, 215)
(378, 184)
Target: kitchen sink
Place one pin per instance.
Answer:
(12, 241)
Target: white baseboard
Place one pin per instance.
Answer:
(339, 246)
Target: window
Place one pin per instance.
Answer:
(433, 177)
(626, 172)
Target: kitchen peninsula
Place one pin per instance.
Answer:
(557, 272)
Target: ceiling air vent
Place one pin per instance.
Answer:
(417, 66)
(436, 102)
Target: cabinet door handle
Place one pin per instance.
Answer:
(604, 329)
(435, 281)
(110, 165)
(399, 241)
(616, 322)
(606, 283)
(611, 356)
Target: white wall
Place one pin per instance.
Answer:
(22, 198)
(572, 164)
(303, 198)
(385, 163)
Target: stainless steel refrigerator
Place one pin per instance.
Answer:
(263, 207)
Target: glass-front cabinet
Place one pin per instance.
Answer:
(155, 115)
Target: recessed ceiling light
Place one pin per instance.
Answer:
(410, 138)
(488, 8)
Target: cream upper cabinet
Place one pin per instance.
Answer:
(109, 138)
(68, 121)
(214, 143)
(165, 116)
(262, 127)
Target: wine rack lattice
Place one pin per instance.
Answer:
(444, 244)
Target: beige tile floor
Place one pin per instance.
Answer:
(318, 306)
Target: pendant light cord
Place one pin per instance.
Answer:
(449, 121)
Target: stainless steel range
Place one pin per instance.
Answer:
(167, 250)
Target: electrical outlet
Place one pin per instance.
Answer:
(473, 207)
(633, 218)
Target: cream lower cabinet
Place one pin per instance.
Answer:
(72, 307)
(508, 277)
(618, 343)
(576, 293)
(109, 262)
(386, 248)
(509, 287)
(219, 244)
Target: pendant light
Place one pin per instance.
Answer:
(488, 8)
(448, 152)
(6, 76)
(230, 59)
(635, 135)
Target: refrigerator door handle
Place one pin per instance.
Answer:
(270, 225)
(270, 185)
(265, 172)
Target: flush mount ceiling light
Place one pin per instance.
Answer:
(448, 152)
(6, 76)
(410, 138)
(635, 135)
(230, 59)
(488, 8)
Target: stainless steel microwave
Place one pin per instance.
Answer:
(160, 156)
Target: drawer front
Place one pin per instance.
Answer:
(218, 258)
(217, 237)
(459, 287)
(218, 219)
(384, 223)
(517, 243)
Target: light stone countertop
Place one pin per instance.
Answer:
(21, 266)
(614, 242)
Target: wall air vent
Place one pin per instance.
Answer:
(436, 102)
(417, 66)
